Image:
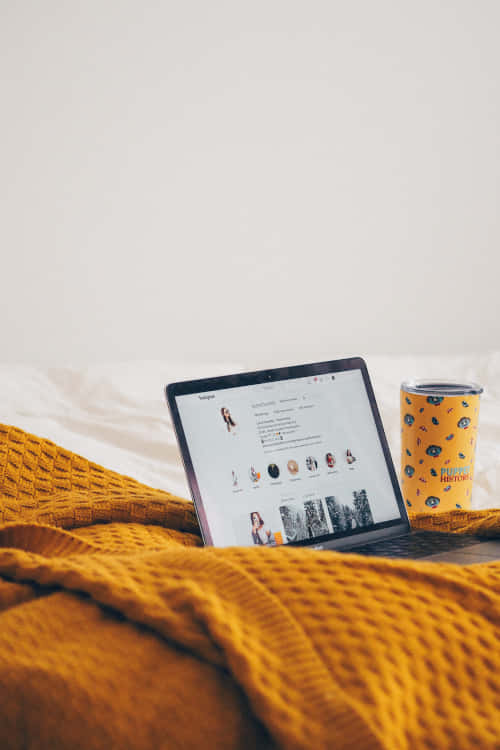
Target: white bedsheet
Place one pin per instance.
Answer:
(116, 414)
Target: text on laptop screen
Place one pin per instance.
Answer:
(288, 461)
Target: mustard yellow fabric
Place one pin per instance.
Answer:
(117, 630)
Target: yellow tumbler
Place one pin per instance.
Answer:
(438, 441)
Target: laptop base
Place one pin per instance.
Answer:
(433, 547)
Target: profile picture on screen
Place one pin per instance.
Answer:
(260, 535)
(330, 460)
(229, 421)
(311, 463)
(273, 471)
(254, 474)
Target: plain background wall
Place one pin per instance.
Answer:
(267, 179)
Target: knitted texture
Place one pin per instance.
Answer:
(482, 522)
(43, 483)
(117, 630)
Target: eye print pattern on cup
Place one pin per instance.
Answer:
(438, 443)
(432, 502)
(433, 450)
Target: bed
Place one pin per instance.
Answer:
(118, 629)
(116, 414)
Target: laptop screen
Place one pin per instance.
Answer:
(290, 461)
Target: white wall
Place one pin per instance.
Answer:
(271, 178)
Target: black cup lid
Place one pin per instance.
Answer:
(441, 388)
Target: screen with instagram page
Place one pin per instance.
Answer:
(288, 462)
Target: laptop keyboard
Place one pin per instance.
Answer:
(416, 544)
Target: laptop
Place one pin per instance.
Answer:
(298, 456)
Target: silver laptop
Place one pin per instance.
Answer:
(298, 456)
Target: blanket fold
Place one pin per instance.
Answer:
(118, 630)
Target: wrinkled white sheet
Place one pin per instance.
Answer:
(116, 414)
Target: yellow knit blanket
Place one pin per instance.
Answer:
(117, 630)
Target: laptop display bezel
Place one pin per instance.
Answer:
(238, 380)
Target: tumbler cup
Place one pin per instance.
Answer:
(438, 441)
